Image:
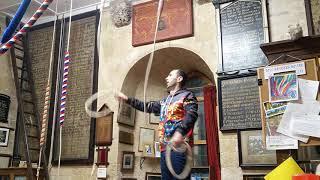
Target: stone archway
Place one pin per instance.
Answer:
(165, 60)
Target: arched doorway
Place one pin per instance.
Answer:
(165, 60)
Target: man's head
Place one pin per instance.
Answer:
(176, 77)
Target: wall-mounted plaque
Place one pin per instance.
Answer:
(4, 107)
(239, 103)
(216, 2)
(242, 33)
(175, 22)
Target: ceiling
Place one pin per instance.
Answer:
(9, 7)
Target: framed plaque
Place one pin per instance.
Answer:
(239, 103)
(242, 32)
(4, 107)
(176, 21)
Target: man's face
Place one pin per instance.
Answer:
(172, 78)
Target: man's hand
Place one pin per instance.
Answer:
(120, 96)
(177, 139)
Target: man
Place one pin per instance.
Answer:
(178, 113)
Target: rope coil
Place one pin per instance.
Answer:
(184, 148)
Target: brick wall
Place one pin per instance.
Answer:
(76, 129)
(40, 49)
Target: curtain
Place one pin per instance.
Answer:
(212, 132)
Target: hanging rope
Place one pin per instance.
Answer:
(64, 87)
(146, 77)
(15, 21)
(57, 93)
(187, 147)
(44, 120)
(4, 48)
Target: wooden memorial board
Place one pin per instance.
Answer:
(239, 102)
(242, 33)
(176, 21)
(4, 107)
(312, 73)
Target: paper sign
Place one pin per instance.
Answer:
(299, 69)
(308, 125)
(308, 90)
(307, 108)
(102, 172)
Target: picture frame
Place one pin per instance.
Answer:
(126, 137)
(253, 176)
(252, 153)
(4, 107)
(153, 119)
(232, 59)
(239, 102)
(176, 21)
(126, 115)
(148, 150)
(4, 136)
(153, 176)
(146, 136)
(128, 158)
(157, 150)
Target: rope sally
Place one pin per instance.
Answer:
(5, 47)
(63, 98)
(15, 21)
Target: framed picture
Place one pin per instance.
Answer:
(127, 161)
(146, 137)
(239, 102)
(313, 16)
(148, 150)
(126, 137)
(126, 114)
(153, 176)
(252, 152)
(176, 21)
(153, 119)
(157, 149)
(4, 136)
(4, 107)
(253, 176)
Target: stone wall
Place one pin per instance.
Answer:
(7, 87)
(117, 59)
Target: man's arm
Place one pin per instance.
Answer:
(152, 107)
(191, 116)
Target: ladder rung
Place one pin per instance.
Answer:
(20, 49)
(24, 79)
(29, 124)
(22, 69)
(30, 113)
(30, 102)
(27, 90)
(34, 149)
(19, 57)
(30, 136)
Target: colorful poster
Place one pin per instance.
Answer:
(274, 108)
(283, 87)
